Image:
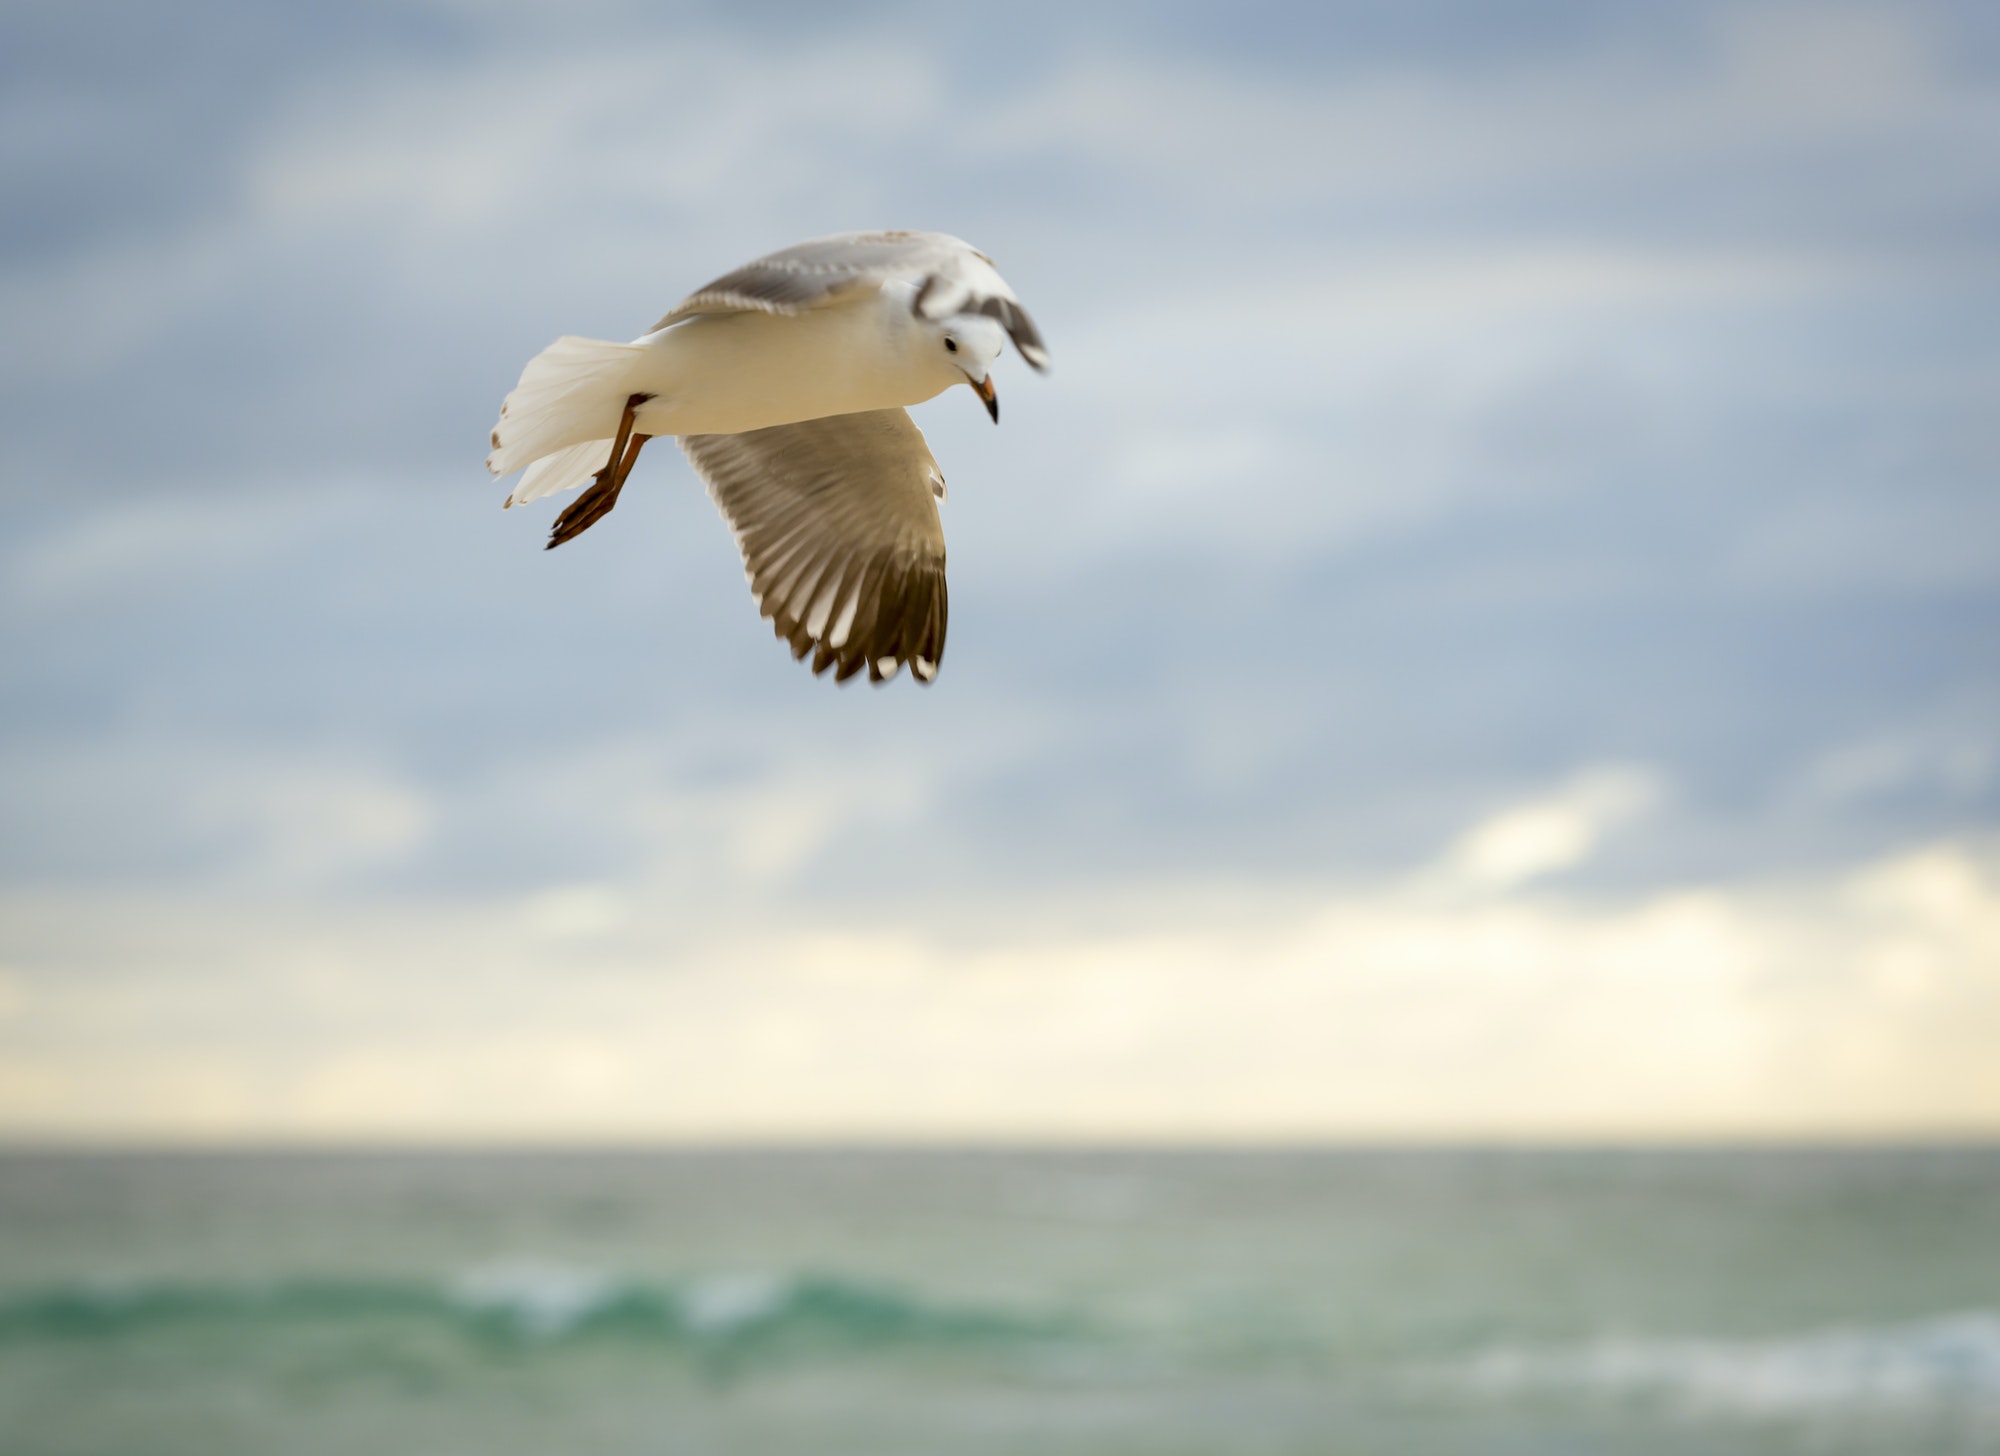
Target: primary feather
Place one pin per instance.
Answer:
(838, 525)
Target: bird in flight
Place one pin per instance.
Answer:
(785, 383)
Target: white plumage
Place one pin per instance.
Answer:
(570, 394)
(785, 382)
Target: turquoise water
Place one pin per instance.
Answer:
(868, 1302)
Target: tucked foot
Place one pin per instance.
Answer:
(596, 503)
(587, 509)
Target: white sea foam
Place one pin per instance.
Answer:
(721, 1304)
(541, 1299)
(1946, 1365)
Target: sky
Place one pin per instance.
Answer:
(1490, 629)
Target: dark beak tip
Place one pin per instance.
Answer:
(993, 407)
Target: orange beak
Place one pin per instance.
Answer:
(984, 389)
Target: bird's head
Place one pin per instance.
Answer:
(969, 343)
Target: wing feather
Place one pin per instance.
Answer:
(841, 542)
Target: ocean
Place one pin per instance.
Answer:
(876, 1303)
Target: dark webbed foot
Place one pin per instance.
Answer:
(596, 503)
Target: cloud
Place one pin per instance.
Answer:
(1549, 835)
(1439, 408)
(1861, 1003)
(1379, 393)
(577, 911)
(187, 813)
(1743, 84)
(151, 548)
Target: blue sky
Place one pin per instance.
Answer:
(1511, 473)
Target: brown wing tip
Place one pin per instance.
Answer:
(895, 616)
(849, 665)
(853, 662)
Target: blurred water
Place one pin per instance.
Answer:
(1405, 1302)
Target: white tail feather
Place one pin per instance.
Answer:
(564, 470)
(572, 392)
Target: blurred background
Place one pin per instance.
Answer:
(1488, 638)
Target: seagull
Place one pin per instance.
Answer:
(785, 383)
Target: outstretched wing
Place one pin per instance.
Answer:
(838, 525)
(951, 276)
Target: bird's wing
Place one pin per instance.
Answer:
(951, 276)
(838, 524)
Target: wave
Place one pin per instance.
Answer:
(1943, 1366)
(538, 1304)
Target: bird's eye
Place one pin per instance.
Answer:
(951, 345)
